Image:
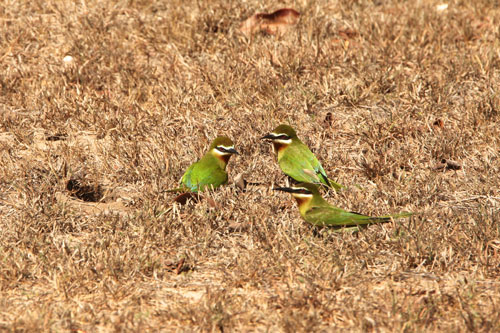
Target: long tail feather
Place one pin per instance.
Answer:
(374, 220)
(397, 216)
(387, 218)
(336, 186)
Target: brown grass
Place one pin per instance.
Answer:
(382, 92)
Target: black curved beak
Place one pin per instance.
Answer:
(232, 151)
(268, 136)
(284, 189)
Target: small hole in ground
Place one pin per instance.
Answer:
(88, 193)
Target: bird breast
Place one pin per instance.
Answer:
(279, 147)
(223, 158)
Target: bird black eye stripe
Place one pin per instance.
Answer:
(224, 149)
(282, 137)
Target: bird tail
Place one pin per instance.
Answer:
(387, 218)
(325, 181)
(336, 186)
(373, 220)
(395, 216)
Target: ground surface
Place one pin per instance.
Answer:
(381, 91)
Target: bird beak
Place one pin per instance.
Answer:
(284, 189)
(232, 151)
(269, 136)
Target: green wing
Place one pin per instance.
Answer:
(336, 217)
(300, 163)
(295, 162)
(186, 179)
(201, 175)
(318, 169)
(321, 173)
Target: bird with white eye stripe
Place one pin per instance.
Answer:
(296, 160)
(210, 171)
(317, 211)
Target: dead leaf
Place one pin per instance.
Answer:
(179, 266)
(276, 23)
(176, 267)
(347, 33)
(406, 167)
(438, 123)
(329, 119)
(240, 182)
(235, 227)
(211, 202)
(448, 165)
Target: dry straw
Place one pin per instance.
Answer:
(123, 96)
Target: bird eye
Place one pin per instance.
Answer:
(283, 137)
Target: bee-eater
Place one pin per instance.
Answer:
(296, 160)
(210, 170)
(317, 211)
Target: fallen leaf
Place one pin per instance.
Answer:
(406, 167)
(275, 23)
(438, 123)
(240, 182)
(235, 226)
(211, 202)
(176, 267)
(329, 119)
(447, 164)
(347, 33)
(179, 266)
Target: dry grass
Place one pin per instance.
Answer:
(381, 91)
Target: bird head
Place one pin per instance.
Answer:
(302, 192)
(223, 147)
(281, 136)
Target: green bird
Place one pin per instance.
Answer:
(296, 160)
(317, 211)
(210, 170)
